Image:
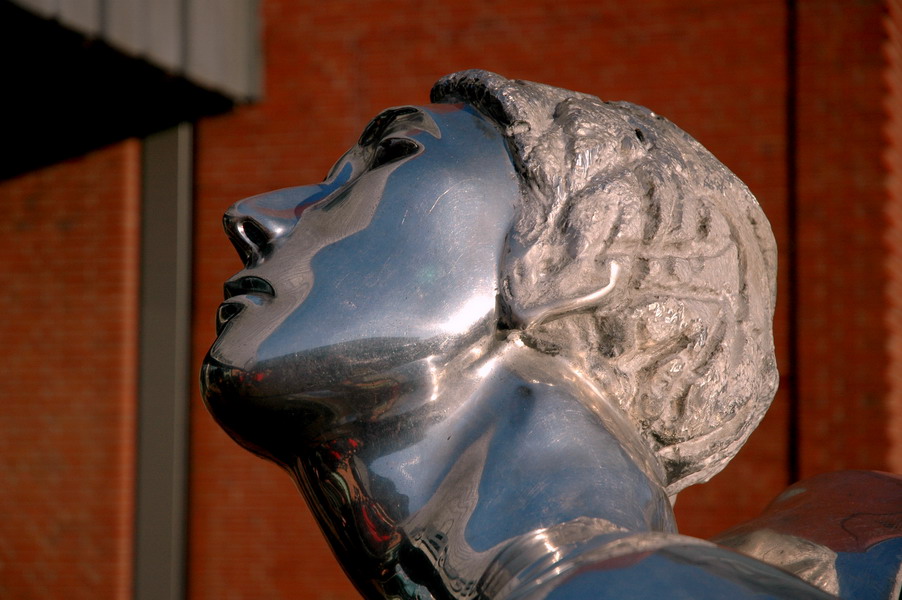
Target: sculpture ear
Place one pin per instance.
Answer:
(523, 318)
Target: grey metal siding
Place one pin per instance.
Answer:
(214, 43)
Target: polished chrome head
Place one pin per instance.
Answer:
(514, 319)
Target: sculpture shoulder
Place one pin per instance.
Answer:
(653, 565)
(839, 531)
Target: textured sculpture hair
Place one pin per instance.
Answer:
(618, 199)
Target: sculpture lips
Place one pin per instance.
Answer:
(242, 286)
(227, 311)
(247, 285)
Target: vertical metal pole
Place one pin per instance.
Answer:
(162, 453)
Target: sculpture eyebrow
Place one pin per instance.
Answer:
(396, 118)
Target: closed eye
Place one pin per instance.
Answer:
(390, 150)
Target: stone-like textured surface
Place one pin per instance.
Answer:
(616, 197)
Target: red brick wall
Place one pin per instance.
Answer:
(716, 68)
(69, 241)
(892, 129)
(841, 197)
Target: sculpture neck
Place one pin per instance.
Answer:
(482, 469)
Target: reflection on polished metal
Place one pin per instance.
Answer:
(497, 338)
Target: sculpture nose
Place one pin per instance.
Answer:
(256, 224)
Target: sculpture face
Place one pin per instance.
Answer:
(392, 259)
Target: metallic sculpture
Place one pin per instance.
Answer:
(495, 341)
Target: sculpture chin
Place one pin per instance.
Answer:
(264, 425)
(280, 409)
